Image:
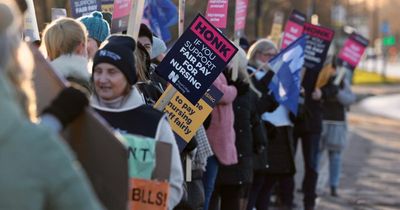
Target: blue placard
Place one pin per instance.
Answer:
(196, 59)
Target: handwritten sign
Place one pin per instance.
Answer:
(141, 156)
(148, 194)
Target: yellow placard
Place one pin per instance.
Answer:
(184, 117)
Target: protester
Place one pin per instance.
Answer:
(120, 103)
(98, 30)
(146, 37)
(334, 127)
(234, 181)
(221, 136)
(279, 131)
(65, 41)
(47, 173)
(308, 126)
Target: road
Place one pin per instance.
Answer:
(370, 177)
(371, 169)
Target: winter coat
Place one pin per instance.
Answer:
(264, 104)
(140, 126)
(221, 133)
(246, 116)
(37, 169)
(74, 68)
(334, 127)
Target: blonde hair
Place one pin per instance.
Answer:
(141, 56)
(63, 36)
(260, 46)
(243, 75)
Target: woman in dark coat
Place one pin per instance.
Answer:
(233, 182)
(280, 165)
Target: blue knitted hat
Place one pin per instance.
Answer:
(97, 27)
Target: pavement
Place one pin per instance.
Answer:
(371, 171)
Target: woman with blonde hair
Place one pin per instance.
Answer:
(280, 166)
(65, 41)
(234, 181)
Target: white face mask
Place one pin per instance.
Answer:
(260, 63)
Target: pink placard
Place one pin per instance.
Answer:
(214, 40)
(121, 8)
(292, 32)
(294, 28)
(216, 12)
(240, 14)
(351, 52)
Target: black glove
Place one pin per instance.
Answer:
(68, 105)
(241, 86)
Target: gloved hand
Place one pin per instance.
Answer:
(241, 87)
(68, 105)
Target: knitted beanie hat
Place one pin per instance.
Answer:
(97, 27)
(118, 50)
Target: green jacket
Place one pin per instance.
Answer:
(37, 169)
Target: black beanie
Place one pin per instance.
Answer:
(118, 51)
(145, 31)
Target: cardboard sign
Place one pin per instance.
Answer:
(107, 6)
(352, 51)
(240, 14)
(31, 30)
(84, 7)
(185, 118)
(149, 195)
(196, 59)
(120, 17)
(294, 28)
(141, 156)
(57, 13)
(318, 41)
(216, 13)
(102, 155)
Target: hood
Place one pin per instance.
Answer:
(72, 65)
(133, 100)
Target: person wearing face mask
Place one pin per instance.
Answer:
(65, 41)
(280, 166)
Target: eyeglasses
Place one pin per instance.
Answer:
(268, 54)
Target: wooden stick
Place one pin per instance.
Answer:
(135, 18)
(340, 75)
